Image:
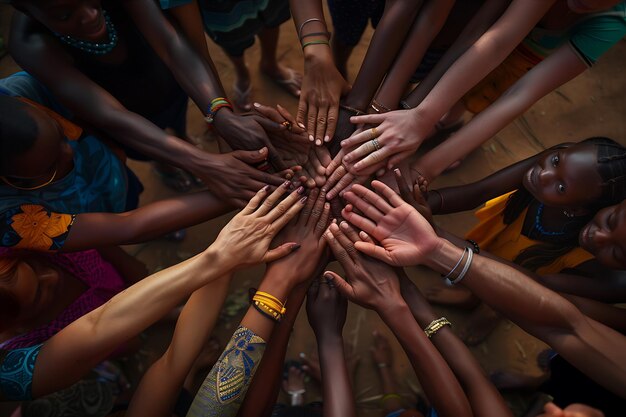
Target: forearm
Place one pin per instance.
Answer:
(485, 55)
(483, 396)
(607, 314)
(386, 42)
(144, 223)
(439, 383)
(263, 390)
(486, 16)
(337, 390)
(606, 289)
(222, 395)
(159, 388)
(94, 336)
(427, 25)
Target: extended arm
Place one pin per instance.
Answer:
(489, 12)
(427, 25)
(560, 67)
(92, 230)
(482, 395)
(158, 390)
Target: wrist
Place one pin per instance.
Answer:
(443, 257)
(393, 310)
(317, 54)
(213, 259)
(277, 284)
(329, 337)
(223, 117)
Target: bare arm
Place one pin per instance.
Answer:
(158, 390)
(482, 395)
(560, 67)
(489, 12)
(92, 230)
(427, 25)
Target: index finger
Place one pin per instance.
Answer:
(333, 115)
(295, 128)
(360, 138)
(268, 112)
(374, 119)
(388, 193)
(402, 185)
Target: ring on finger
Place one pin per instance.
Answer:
(376, 144)
(374, 133)
(287, 124)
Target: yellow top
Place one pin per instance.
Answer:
(507, 241)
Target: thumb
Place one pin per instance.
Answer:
(280, 252)
(251, 157)
(342, 286)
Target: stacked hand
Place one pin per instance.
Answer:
(326, 309)
(245, 240)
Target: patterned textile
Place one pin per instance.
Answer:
(16, 373)
(101, 279)
(31, 226)
(225, 387)
(87, 398)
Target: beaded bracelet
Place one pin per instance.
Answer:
(215, 105)
(475, 245)
(267, 311)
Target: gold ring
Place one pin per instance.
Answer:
(376, 144)
(287, 124)
(374, 133)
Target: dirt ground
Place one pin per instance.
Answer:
(591, 105)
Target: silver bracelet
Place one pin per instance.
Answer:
(313, 19)
(466, 267)
(447, 276)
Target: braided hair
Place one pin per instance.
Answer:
(611, 159)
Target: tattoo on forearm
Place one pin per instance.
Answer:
(224, 389)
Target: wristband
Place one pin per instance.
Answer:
(215, 105)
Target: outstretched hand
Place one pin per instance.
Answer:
(369, 282)
(405, 237)
(245, 240)
(326, 308)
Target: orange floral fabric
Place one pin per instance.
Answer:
(33, 227)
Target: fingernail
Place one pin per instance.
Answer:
(397, 171)
(267, 187)
(334, 221)
(346, 158)
(318, 142)
(343, 143)
(262, 150)
(326, 206)
(344, 225)
(300, 190)
(303, 200)
(295, 247)
(289, 176)
(301, 125)
(286, 184)
(324, 190)
(311, 138)
(326, 138)
(302, 355)
(255, 104)
(328, 276)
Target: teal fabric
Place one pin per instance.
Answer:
(168, 4)
(16, 373)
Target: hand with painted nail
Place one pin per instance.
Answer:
(246, 239)
(396, 135)
(326, 309)
(322, 88)
(404, 237)
(306, 231)
(370, 282)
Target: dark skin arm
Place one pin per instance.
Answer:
(41, 55)
(375, 285)
(599, 284)
(406, 238)
(489, 12)
(326, 310)
(263, 390)
(427, 25)
(607, 314)
(482, 395)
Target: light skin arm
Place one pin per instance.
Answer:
(489, 12)
(158, 390)
(427, 25)
(560, 67)
(406, 238)
(402, 132)
(72, 352)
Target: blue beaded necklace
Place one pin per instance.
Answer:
(94, 47)
(540, 228)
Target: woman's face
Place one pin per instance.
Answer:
(567, 178)
(80, 19)
(49, 153)
(605, 236)
(34, 288)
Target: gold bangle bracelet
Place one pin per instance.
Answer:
(435, 326)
